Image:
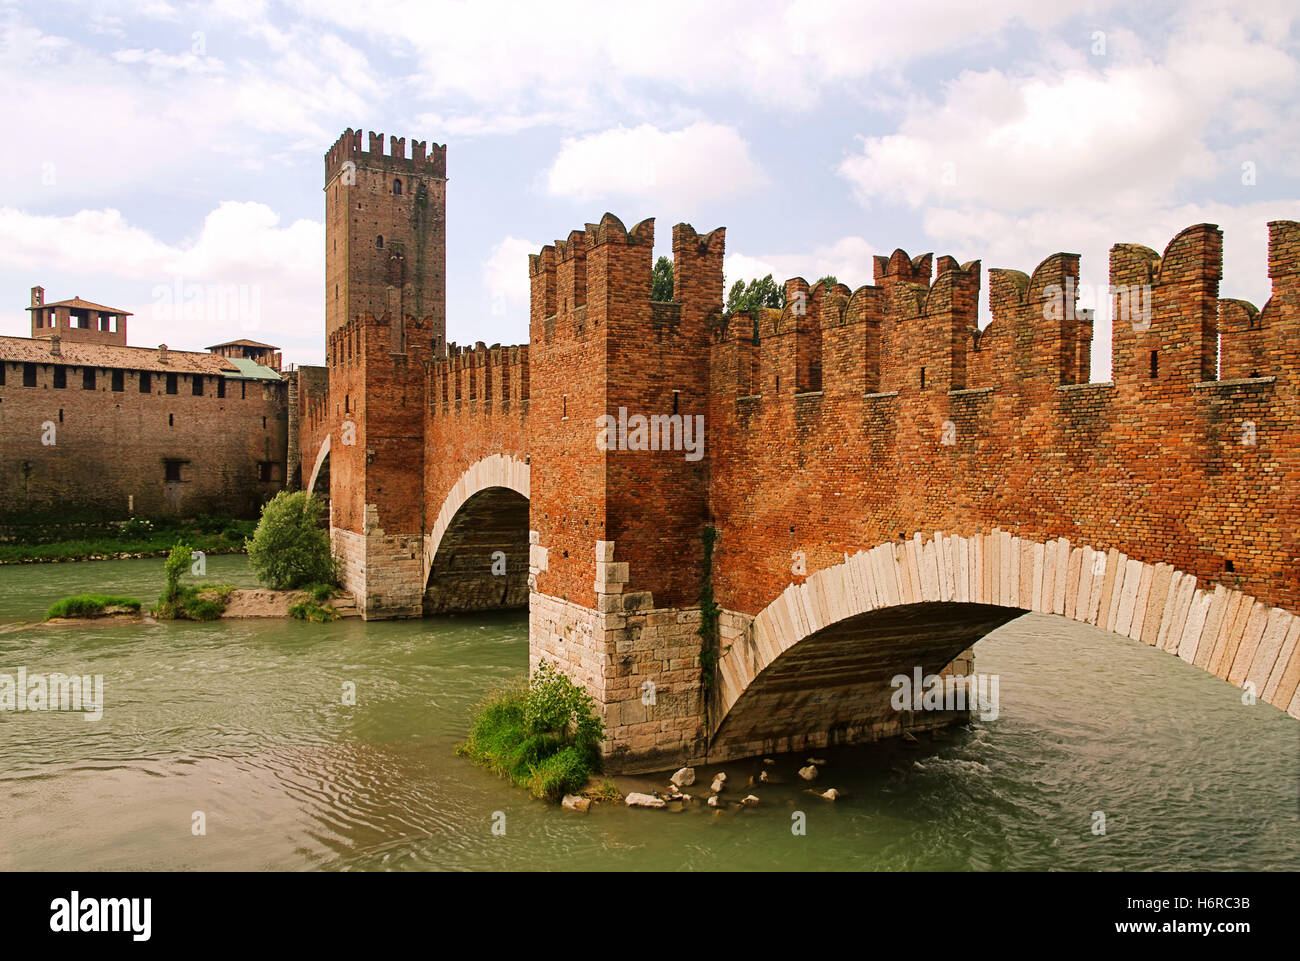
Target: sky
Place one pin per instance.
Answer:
(163, 146)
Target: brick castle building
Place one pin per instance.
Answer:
(93, 428)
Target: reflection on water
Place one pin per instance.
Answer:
(244, 722)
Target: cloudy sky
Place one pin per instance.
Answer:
(160, 143)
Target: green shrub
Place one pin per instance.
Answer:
(195, 602)
(560, 774)
(545, 736)
(137, 527)
(290, 548)
(89, 605)
(178, 561)
(310, 610)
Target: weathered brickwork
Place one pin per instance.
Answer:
(841, 432)
(84, 438)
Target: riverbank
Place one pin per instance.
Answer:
(127, 540)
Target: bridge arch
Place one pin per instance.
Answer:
(817, 660)
(476, 555)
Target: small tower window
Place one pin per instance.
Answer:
(379, 241)
(1155, 364)
(397, 186)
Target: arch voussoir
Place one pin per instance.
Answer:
(1225, 632)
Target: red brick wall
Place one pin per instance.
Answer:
(1154, 467)
(111, 446)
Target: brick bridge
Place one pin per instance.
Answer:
(887, 482)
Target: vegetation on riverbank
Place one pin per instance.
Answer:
(189, 602)
(291, 548)
(544, 735)
(138, 537)
(90, 605)
(313, 606)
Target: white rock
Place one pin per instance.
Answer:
(718, 784)
(685, 777)
(768, 760)
(831, 794)
(817, 761)
(713, 802)
(762, 775)
(635, 800)
(750, 800)
(575, 803)
(808, 773)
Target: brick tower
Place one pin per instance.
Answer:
(385, 316)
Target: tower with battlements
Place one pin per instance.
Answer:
(385, 318)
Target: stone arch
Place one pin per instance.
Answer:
(953, 590)
(492, 493)
(322, 456)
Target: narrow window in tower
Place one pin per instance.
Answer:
(171, 420)
(397, 186)
(676, 397)
(1155, 365)
(564, 410)
(923, 378)
(379, 241)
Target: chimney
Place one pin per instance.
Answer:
(38, 296)
(162, 353)
(55, 350)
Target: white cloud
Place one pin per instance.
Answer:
(240, 245)
(1128, 133)
(506, 286)
(587, 53)
(847, 259)
(678, 168)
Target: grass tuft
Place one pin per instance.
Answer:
(89, 605)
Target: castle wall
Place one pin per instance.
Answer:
(110, 448)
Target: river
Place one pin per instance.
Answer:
(243, 721)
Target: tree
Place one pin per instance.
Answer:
(290, 549)
(757, 293)
(661, 280)
(830, 280)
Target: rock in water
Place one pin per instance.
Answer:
(713, 802)
(575, 803)
(831, 794)
(762, 775)
(808, 773)
(635, 800)
(817, 762)
(685, 777)
(718, 784)
(749, 800)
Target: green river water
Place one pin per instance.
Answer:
(244, 721)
